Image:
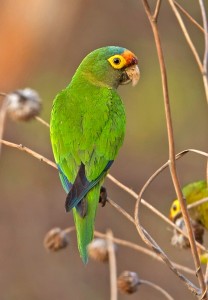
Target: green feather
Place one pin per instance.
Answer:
(85, 226)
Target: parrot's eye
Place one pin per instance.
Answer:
(174, 207)
(117, 61)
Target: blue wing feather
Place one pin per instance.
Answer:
(82, 186)
(65, 182)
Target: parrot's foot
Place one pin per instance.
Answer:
(103, 196)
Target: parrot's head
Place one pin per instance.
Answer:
(175, 210)
(111, 66)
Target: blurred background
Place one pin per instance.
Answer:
(42, 44)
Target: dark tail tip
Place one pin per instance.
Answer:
(67, 208)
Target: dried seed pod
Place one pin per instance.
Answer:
(128, 282)
(23, 105)
(181, 241)
(98, 250)
(55, 240)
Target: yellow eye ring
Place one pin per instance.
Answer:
(117, 61)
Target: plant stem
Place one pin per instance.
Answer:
(189, 16)
(112, 265)
(156, 287)
(3, 111)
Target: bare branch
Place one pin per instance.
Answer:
(29, 151)
(112, 265)
(207, 172)
(189, 16)
(186, 35)
(197, 203)
(121, 210)
(157, 10)
(205, 59)
(42, 121)
(204, 18)
(157, 287)
(3, 94)
(3, 110)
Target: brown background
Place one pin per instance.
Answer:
(42, 43)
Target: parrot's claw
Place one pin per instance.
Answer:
(103, 196)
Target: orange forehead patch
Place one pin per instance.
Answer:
(130, 58)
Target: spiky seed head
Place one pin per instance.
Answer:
(98, 250)
(180, 240)
(23, 105)
(55, 240)
(128, 282)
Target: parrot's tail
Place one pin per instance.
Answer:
(85, 225)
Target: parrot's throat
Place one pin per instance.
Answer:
(93, 80)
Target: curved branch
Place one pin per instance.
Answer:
(157, 287)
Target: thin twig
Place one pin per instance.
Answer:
(205, 59)
(156, 287)
(29, 151)
(157, 10)
(42, 121)
(206, 274)
(3, 94)
(69, 229)
(205, 79)
(121, 210)
(198, 152)
(3, 111)
(207, 173)
(112, 265)
(186, 35)
(189, 16)
(197, 203)
(172, 165)
(204, 19)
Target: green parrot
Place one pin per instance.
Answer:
(87, 129)
(193, 192)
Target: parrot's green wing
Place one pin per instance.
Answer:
(85, 142)
(87, 132)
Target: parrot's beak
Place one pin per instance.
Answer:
(131, 74)
(170, 217)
